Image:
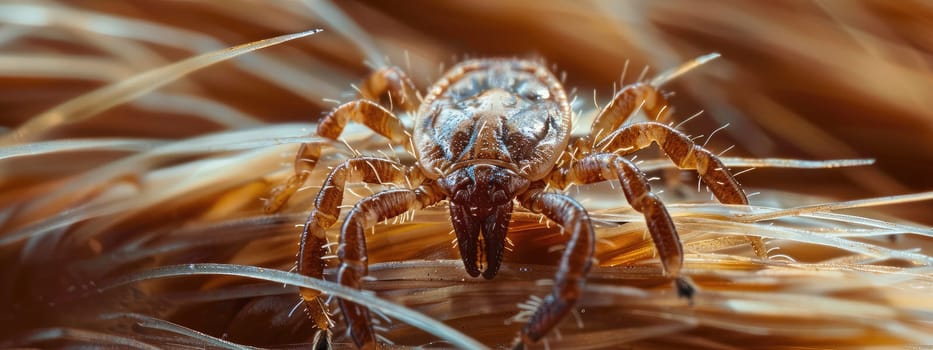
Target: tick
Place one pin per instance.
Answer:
(489, 135)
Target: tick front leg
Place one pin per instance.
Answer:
(623, 106)
(352, 251)
(607, 166)
(647, 95)
(325, 213)
(305, 160)
(625, 103)
(365, 112)
(686, 155)
(391, 85)
(574, 264)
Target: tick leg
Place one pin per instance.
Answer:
(607, 166)
(325, 213)
(352, 252)
(366, 112)
(389, 84)
(632, 97)
(574, 264)
(305, 160)
(625, 103)
(393, 88)
(686, 155)
(623, 106)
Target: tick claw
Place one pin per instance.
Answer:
(685, 288)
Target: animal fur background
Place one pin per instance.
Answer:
(102, 180)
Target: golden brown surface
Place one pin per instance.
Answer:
(806, 80)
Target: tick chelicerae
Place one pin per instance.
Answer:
(489, 135)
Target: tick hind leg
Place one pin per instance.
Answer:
(389, 82)
(686, 155)
(574, 264)
(324, 214)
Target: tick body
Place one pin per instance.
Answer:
(489, 135)
(485, 132)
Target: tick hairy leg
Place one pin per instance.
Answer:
(632, 97)
(644, 94)
(391, 85)
(574, 265)
(352, 250)
(387, 82)
(607, 166)
(324, 215)
(686, 155)
(366, 112)
(624, 104)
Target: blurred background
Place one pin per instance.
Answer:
(798, 79)
(811, 80)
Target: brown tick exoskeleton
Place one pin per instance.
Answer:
(489, 134)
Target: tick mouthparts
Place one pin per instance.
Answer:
(481, 235)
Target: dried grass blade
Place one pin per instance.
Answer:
(111, 95)
(406, 315)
